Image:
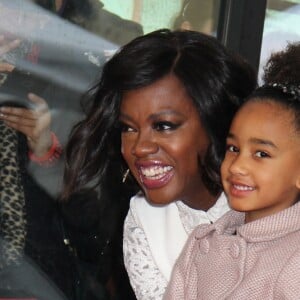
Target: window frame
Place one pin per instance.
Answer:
(240, 27)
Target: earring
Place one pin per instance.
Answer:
(125, 175)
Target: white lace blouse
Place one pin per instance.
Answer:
(154, 237)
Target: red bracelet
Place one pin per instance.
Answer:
(51, 156)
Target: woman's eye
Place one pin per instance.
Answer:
(231, 148)
(164, 126)
(261, 154)
(126, 128)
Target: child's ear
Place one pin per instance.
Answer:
(298, 182)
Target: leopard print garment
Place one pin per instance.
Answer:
(12, 202)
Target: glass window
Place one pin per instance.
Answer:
(188, 14)
(51, 55)
(282, 25)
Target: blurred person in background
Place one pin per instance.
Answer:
(77, 244)
(198, 15)
(20, 276)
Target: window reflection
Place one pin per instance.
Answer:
(281, 26)
(198, 15)
(51, 55)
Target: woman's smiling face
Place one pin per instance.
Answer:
(163, 141)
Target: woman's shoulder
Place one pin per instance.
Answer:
(162, 228)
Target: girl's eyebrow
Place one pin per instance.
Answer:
(256, 141)
(265, 142)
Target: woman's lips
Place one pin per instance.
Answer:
(155, 175)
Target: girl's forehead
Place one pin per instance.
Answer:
(267, 105)
(266, 117)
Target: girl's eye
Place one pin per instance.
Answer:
(164, 126)
(232, 148)
(261, 154)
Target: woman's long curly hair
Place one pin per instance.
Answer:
(216, 80)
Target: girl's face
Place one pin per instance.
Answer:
(261, 169)
(162, 142)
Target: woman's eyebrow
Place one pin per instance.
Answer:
(124, 116)
(166, 112)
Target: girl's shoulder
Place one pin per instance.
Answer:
(288, 282)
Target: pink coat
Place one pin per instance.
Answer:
(233, 260)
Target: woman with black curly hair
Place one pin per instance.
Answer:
(158, 122)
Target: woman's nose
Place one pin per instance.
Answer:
(144, 145)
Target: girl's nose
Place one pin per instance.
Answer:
(144, 145)
(239, 165)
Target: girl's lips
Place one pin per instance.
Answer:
(237, 189)
(154, 174)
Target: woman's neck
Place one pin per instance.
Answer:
(204, 201)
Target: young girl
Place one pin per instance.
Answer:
(253, 251)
